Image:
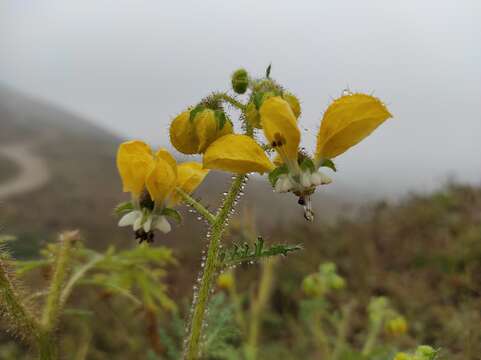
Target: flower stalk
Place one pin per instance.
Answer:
(210, 268)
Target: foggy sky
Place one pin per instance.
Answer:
(131, 66)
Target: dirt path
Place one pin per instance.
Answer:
(33, 172)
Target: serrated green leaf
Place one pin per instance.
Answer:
(243, 253)
(329, 164)
(274, 174)
(173, 214)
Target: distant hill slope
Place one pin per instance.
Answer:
(83, 185)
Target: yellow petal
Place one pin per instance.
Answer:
(207, 128)
(293, 103)
(237, 154)
(182, 134)
(134, 161)
(280, 125)
(161, 180)
(164, 154)
(189, 176)
(347, 121)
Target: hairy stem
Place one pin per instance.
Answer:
(11, 304)
(189, 200)
(53, 306)
(231, 100)
(200, 301)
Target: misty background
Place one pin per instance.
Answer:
(130, 66)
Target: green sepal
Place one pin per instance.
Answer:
(278, 171)
(257, 99)
(221, 118)
(329, 164)
(307, 164)
(124, 208)
(172, 213)
(195, 111)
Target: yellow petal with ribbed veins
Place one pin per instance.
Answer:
(238, 154)
(164, 154)
(134, 161)
(280, 127)
(182, 134)
(347, 121)
(161, 180)
(207, 128)
(189, 176)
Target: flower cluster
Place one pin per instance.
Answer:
(155, 180)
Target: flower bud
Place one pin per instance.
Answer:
(183, 135)
(403, 356)
(312, 286)
(252, 116)
(425, 352)
(225, 280)
(240, 81)
(293, 103)
(209, 126)
(396, 326)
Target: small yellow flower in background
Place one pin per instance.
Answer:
(237, 154)
(402, 356)
(396, 326)
(226, 280)
(152, 180)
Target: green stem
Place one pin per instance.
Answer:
(210, 268)
(342, 330)
(372, 336)
(11, 303)
(258, 306)
(189, 200)
(232, 101)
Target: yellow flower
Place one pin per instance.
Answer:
(193, 135)
(208, 129)
(346, 122)
(134, 161)
(183, 134)
(280, 129)
(226, 280)
(396, 326)
(159, 175)
(237, 154)
(189, 176)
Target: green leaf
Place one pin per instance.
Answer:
(124, 208)
(274, 174)
(173, 214)
(307, 164)
(329, 163)
(243, 253)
